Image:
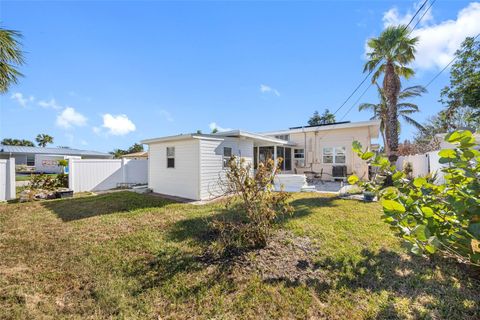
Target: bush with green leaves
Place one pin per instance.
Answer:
(433, 217)
(43, 182)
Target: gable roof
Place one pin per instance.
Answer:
(57, 151)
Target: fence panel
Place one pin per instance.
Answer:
(435, 166)
(105, 174)
(420, 164)
(7, 179)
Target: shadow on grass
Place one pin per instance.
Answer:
(86, 207)
(306, 206)
(410, 277)
(198, 228)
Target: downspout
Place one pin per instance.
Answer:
(305, 151)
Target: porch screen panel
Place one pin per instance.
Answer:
(287, 160)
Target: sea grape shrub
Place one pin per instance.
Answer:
(433, 215)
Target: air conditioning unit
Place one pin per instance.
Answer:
(339, 172)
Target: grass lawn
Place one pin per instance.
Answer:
(125, 255)
(27, 177)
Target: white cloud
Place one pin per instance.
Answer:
(267, 89)
(167, 115)
(21, 100)
(69, 118)
(393, 17)
(118, 125)
(213, 125)
(51, 104)
(96, 130)
(439, 41)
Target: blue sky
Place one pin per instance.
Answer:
(103, 75)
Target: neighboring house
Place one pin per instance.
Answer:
(46, 159)
(192, 165)
(136, 155)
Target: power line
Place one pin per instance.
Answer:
(357, 101)
(444, 68)
(371, 71)
(423, 15)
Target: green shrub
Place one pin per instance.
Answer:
(62, 180)
(42, 182)
(433, 217)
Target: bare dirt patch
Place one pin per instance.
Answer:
(286, 258)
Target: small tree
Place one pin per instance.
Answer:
(433, 217)
(260, 203)
(325, 118)
(17, 142)
(44, 139)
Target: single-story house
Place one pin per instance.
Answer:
(46, 159)
(192, 165)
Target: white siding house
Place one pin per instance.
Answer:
(183, 179)
(197, 168)
(192, 165)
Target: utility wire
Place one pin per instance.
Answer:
(371, 71)
(416, 24)
(357, 101)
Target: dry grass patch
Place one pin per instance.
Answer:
(125, 255)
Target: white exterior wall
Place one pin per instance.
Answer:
(181, 181)
(46, 163)
(211, 163)
(420, 164)
(332, 138)
(7, 179)
(105, 174)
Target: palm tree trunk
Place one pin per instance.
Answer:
(385, 143)
(391, 87)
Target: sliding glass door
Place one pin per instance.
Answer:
(286, 155)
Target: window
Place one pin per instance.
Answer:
(227, 154)
(30, 160)
(170, 157)
(283, 137)
(340, 155)
(334, 155)
(299, 155)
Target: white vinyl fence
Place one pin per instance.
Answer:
(7, 179)
(422, 164)
(105, 174)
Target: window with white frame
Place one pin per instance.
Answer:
(227, 154)
(299, 156)
(340, 155)
(334, 155)
(170, 157)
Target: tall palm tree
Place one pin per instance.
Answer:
(390, 54)
(11, 57)
(404, 109)
(43, 139)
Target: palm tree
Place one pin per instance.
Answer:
(404, 109)
(390, 53)
(11, 57)
(43, 139)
